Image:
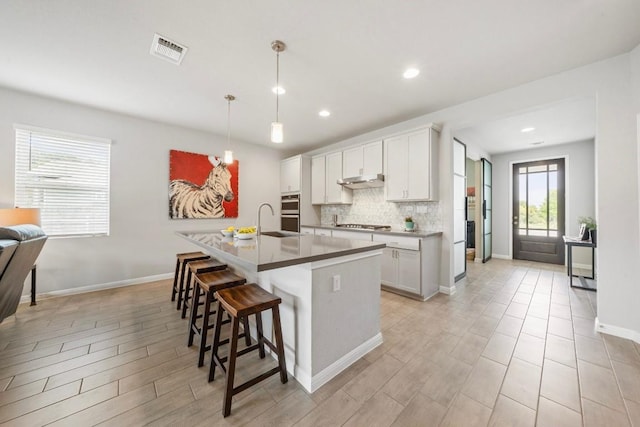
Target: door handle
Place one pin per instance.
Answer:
(484, 209)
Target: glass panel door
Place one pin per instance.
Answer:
(538, 220)
(487, 209)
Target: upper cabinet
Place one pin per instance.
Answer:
(291, 175)
(411, 166)
(362, 160)
(318, 196)
(326, 170)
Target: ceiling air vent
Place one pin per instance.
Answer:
(166, 49)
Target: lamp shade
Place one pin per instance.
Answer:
(17, 216)
(277, 132)
(228, 156)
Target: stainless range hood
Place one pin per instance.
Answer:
(363, 181)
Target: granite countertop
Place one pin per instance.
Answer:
(392, 232)
(266, 252)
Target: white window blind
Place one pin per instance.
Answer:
(67, 177)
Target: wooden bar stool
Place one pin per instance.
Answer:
(178, 279)
(208, 284)
(240, 302)
(196, 267)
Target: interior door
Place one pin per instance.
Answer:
(459, 210)
(538, 211)
(487, 209)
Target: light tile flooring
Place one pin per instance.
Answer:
(515, 346)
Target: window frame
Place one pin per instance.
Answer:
(101, 187)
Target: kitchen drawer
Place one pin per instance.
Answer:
(306, 230)
(401, 242)
(352, 235)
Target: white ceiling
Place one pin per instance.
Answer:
(567, 121)
(346, 56)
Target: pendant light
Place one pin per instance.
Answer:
(277, 130)
(228, 154)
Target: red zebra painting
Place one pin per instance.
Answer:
(202, 186)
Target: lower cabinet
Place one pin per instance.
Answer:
(306, 230)
(401, 269)
(410, 265)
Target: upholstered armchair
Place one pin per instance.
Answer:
(20, 246)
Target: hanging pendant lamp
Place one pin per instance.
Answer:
(277, 129)
(228, 154)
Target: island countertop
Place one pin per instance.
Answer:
(264, 252)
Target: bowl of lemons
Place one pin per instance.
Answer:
(245, 233)
(228, 232)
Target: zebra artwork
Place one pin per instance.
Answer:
(189, 200)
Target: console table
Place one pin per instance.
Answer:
(586, 282)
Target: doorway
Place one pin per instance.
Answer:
(539, 211)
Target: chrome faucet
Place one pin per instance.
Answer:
(259, 208)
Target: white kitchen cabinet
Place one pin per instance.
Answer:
(306, 230)
(290, 175)
(318, 164)
(326, 170)
(410, 265)
(363, 159)
(411, 166)
(401, 269)
(351, 235)
(401, 263)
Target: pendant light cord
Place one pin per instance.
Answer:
(228, 121)
(277, 86)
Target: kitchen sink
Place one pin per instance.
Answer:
(279, 233)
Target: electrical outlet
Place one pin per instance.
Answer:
(336, 283)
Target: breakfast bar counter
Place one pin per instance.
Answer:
(330, 291)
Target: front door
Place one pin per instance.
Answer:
(538, 211)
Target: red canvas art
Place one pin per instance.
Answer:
(202, 186)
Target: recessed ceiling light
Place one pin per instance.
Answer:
(526, 130)
(324, 113)
(410, 73)
(279, 90)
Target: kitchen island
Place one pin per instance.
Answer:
(330, 290)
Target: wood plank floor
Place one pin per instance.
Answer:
(514, 346)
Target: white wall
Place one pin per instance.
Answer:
(579, 188)
(635, 84)
(616, 176)
(142, 242)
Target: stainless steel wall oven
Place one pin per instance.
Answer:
(290, 213)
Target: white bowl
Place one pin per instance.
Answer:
(226, 233)
(245, 236)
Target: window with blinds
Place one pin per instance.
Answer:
(67, 177)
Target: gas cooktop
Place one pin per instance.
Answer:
(365, 226)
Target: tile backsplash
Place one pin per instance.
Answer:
(369, 207)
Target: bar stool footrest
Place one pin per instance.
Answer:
(256, 380)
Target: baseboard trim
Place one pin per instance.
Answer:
(100, 286)
(499, 256)
(313, 383)
(617, 331)
(448, 290)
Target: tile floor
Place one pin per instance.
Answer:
(515, 346)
